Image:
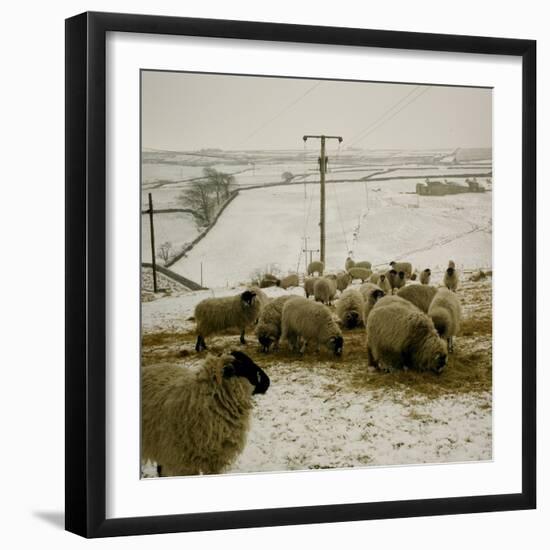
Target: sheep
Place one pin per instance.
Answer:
(419, 295)
(266, 282)
(343, 280)
(425, 276)
(446, 314)
(365, 264)
(216, 314)
(315, 267)
(396, 279)
(400, 335)
(380, 278)
(359, 273)
(350, 308)
(406, 267)
(371, 294)
(290, 280)
(304, 321)
(261, 296)
(196, 420)
(324, 290)
(450, 278)
(268, 329)
(452, 264)
(309, 282)
(349, 263)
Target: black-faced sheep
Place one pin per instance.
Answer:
(396, 279)
(307, 322)
(419, 295)
(450, 278)
(380, 278)
(290, 280)
(267, 282)
(406, 267)
(217, 314)
(350, 308)
(446, 314)
(361, 273)
(315, 267)
(268, 329)
(196, 420)
(425, 276)
(324, 290)
(371, 294)
(400, 335)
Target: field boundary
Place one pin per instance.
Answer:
(188, 283)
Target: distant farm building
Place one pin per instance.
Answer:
(439, 188)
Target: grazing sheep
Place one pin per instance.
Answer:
(371, 294)
(419, 295)
(400, 335)
(196, 420)
(450, 278)
(365, 264)
(315, 267)
(216, 314)
(396, 279)
(425, 276)
(350, 308)
(406, 267)
(478, 275)
(446, 313)
(359, 273)
(349, 263)
(324, 290)
(268, 329)
(290, 280)
(305, 321)
(266, 282)
(309, 283)
(343, 280)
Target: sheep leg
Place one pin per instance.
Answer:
(242, 340)
(303, 348)
(201, 344)
(450, 345)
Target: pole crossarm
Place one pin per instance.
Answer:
(339, 138)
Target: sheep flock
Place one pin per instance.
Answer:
(371, 328)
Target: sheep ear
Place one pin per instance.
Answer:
(227, 372)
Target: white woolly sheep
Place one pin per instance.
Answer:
(217, 314)
(450, 278)
(349, 263)
(396, 279)
(196, 420)
(315, 267)
(406, 267)
(324, 290)
(290, 280)
(380, 278)
(361, 273)
(371, 294)
(268, 329)
(309, 283)
(400, 335)
(365, 264)
(446, 314)
(307, 322)
(419, 295)
(343, 280)
(425, 276)
(350, 308)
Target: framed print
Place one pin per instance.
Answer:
(299, 283)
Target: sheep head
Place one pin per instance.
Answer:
(336, 345)
(377, 294)
(242, 365)
(247, 298)
(450, 271)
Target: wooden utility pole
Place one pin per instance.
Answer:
(322, 169)
(153, 243)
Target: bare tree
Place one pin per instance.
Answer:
(220, 183)
(197, 198)
(287, 177)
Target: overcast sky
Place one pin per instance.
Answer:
(186, 111)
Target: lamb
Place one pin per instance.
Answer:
(365, 264)
(400, 335)
(406, 267)
(450, 278)
(324, 290)
(350, 308)
(343, 280)
(349, 263)
(419, 295)
(396, 279)
(196, 420)
(315, 267)
(268, 329)
(305, 321)
(446, 314)
(290, 280)
(371, 294)
(380, 278)
(309, 283)
(217, 314)
(425, 276)
(359, 273)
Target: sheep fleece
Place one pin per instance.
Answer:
(419, 295)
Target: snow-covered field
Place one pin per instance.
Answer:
(322, 412)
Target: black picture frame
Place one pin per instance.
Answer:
(86, 275)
